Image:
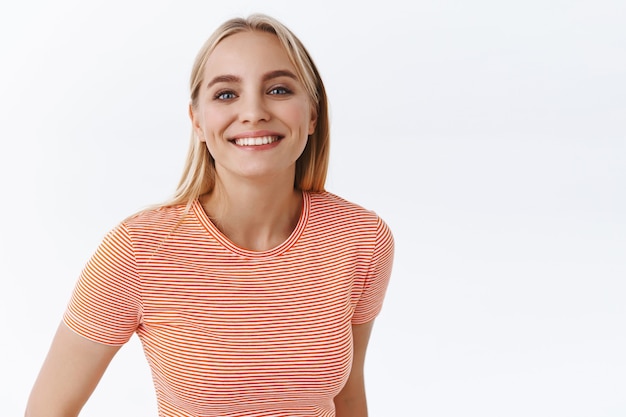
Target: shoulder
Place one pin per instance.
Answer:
(329, 202)
(158, 220)
(329, 208)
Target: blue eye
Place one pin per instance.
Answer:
(225, 95)
(279, 91)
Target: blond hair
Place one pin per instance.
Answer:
(199, 175)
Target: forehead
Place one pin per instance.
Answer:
(248, 52)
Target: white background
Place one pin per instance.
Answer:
(490, 135)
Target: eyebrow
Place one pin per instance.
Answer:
(266, 77)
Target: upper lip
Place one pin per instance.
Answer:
(256, 134)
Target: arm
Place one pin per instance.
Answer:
(351, 401)
(70, 373)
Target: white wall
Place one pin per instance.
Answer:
(490, 135)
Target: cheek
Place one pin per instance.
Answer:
(215, 122)
(299, 116)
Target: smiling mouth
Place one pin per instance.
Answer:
(258, 141)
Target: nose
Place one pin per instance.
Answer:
(253, 109)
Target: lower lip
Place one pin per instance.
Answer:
(258, 147)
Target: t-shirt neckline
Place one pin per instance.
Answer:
(232, 247)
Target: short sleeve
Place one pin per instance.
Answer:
(106, 305)
(371, 299)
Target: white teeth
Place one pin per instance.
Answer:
(263, 140)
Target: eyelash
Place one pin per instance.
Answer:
(284, 90)
(220, 94)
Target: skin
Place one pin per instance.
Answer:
(70, 373)
(249, 90)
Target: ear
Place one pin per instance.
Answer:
(313, 121)
(195, 123)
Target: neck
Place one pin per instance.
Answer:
(255, 216)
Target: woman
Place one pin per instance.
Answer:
(253, 291)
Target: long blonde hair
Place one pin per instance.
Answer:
(199, 175)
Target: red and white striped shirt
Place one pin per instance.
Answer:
(233, 332)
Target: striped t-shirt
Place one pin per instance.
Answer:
(233, 332)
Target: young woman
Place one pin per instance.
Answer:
(254, 290)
